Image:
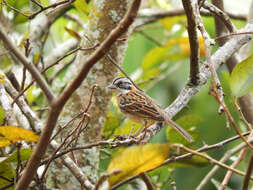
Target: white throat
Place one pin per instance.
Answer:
(123, 91)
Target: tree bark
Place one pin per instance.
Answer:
(103, 18)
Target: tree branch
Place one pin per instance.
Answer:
(189, 7)
(149, 16)
(147, 181)
(219, 57)
(234, 165)
(221, 15)
(58, 104)
(188, 155)
(211, 173)
(248, 173)
(31, 116)
(30, 67)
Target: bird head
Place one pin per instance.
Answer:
(121, 84)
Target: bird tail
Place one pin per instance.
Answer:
(179, 129)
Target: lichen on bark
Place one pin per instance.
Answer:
(103, 18)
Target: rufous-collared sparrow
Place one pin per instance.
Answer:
(139, 107)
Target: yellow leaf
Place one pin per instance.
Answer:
(2, 80)
(202, 47)
(14, 134)
(4, 142)
(135, 160)
(163, 4)
(184, 45)
(169, 22)
(36, 57)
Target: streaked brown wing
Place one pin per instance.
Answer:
(139, 106)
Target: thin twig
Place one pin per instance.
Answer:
(226, 156)
(218, 92)
(152, 39)
(30, 67)
(234, 165)
(60, 146)
(115, 143)
(19, 145)
(150, 17)
(66, 125)
(249, 127)
(220, 14)
(71, 133)
(248, 173)
(50, 66)
(23, 79)
(75, 170)
(231, 120)
(232, 35)
(147, 181)
(189, 155)
(211, 160)
(208, 42)
(104, 177)
(58, 104)
(32, 15)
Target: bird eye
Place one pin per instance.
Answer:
(120, 83)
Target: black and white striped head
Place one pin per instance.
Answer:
(122, 84)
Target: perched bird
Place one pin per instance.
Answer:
(139, 107)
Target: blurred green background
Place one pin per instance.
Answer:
(211, 127)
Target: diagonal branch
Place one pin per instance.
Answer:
(58, 104)
(219, 57)
(30, 67)
(221, 15)
(248, 173)
(234, 165)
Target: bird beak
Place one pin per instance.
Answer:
(111, 86)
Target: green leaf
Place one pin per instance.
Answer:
(241, 80)
(112, 122)
(29, 94)
(7, 172)
(155, 56)
(195, 161)
(25, 154)
(127, 127)
(1, 115)
(18, 4)
(5, 62)
(164, 4)
(44, 2)
(173, 50)
(19, 18)
(151, 73)
(188, 122)
(81, 6)
(22, 6)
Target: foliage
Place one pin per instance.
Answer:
(11, 134)
(157, 59)
(135, 160)
(241, 80)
